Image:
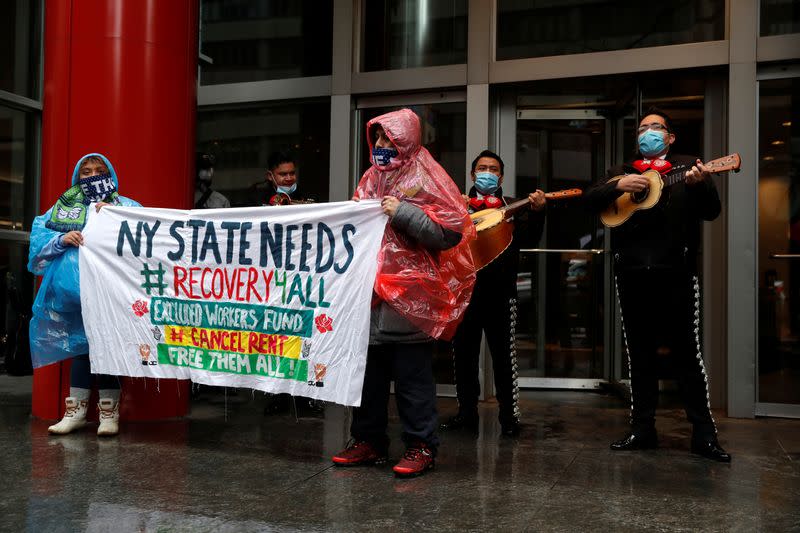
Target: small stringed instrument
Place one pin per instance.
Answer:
(495, 230)
(628, 203)
(284, 199)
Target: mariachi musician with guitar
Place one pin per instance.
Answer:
(654, 207)
(493, 304)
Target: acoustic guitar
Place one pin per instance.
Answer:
(628, 203)
(495, 230)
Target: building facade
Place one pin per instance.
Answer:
(557, 89)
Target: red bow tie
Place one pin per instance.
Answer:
(661, 165)
(487, 202)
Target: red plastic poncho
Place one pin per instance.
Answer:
(430, 289)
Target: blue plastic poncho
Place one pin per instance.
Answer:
(56, 329)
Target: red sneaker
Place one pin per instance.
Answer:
(359, 452)
(417, 460)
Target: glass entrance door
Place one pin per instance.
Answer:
(562, 327)
(565, 134)
(779, 248)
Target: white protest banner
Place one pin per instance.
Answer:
(272, 298)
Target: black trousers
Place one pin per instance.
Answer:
(410, 366)
(493, 309)
(661, 324)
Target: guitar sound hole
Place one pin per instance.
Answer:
(641, 196)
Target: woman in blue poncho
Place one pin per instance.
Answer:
(56, 330)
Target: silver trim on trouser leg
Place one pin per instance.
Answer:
(625, 342)
(455, 378)
(512, 303)
(698, 347)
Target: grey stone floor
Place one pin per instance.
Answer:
(228, 468)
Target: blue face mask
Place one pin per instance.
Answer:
(486, 182)
(652, 143)
(383, 156)
(287, 190)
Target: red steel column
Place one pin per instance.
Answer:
(120, 78)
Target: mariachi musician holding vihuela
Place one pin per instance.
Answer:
(493, 305)
(655, 260)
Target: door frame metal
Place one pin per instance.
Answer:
(522, 113)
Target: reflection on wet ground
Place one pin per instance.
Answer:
(227, 467)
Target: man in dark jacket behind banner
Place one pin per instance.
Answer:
(493, 307)
(655, 260)
(282, 180)
(282, 189)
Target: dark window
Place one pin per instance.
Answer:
(20, 34)
(17, 182)
(540, 28)
(413, 33)
(242, 138)
(252, 40)
(779, 17)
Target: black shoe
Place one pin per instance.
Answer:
(510, 428)
(636, 441)
(710, 449)
(460, 422)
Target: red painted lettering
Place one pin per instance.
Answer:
(178, 279)
(252, 279)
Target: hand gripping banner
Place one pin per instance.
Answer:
(272, 298)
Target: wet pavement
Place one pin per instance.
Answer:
(227, 467)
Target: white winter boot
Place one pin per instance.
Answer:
(74, 417)
(109, 417)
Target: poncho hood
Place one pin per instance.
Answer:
(111, 170)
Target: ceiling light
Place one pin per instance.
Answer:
(777, 143)
(769, 158)
(787, 124)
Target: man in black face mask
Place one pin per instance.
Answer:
(204, 196)
(656, 274)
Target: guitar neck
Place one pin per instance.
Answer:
(723, 164)
(565, 194)
(676, 178)
(672, 180)
(513, 207)
(681, 176)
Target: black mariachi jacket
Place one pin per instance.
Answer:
(528, 226)
(666, 235)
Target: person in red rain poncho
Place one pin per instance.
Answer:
(423, 285)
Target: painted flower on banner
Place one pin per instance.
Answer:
(324, 323)
(140, 307)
